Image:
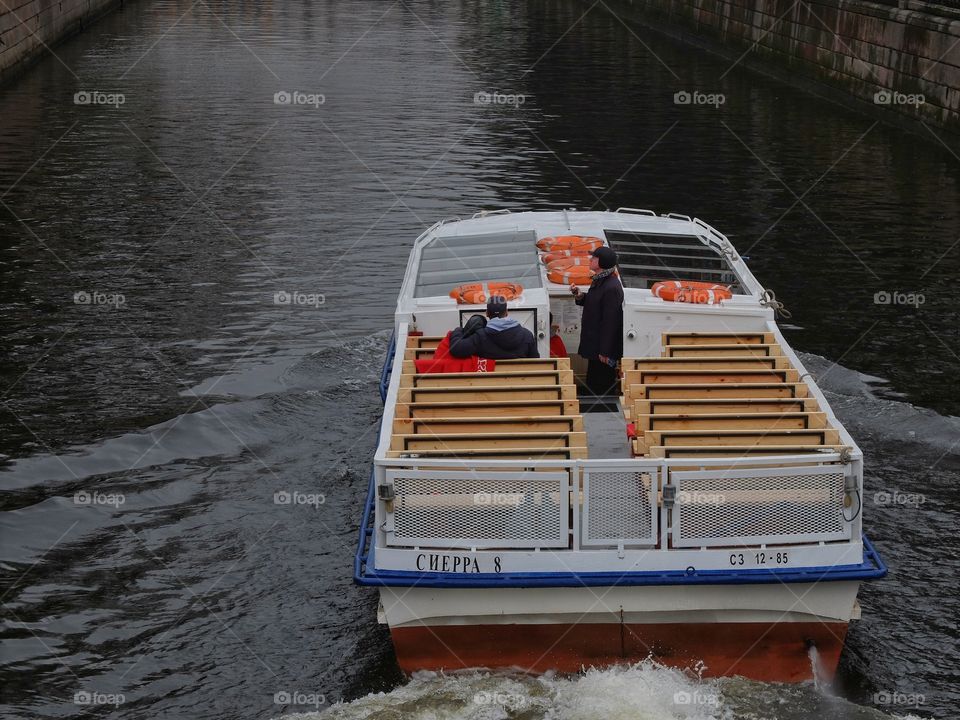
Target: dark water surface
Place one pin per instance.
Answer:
(147, 367)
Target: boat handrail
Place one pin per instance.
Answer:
(487, 213)
(636, 211)
(712, 230)
(593, 463)
(677, 216)
(387, 369)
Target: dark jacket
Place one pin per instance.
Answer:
(514, 342)
(601, 327)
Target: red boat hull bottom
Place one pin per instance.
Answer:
(759, 651)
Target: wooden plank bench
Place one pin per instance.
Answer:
(719, 390)
(689, 351)
(547, 453)
(424, 341)
(441, 426)
(499, 366)
(721, 376)
(705, 363)
(739, 438)
(704, 406)
(739, 451)
(486, 394)
(481, 409)
(412, 353)
(718, 338)
(732, 421)
(494, 379)
(488, 441)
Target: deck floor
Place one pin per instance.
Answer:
(606, 435)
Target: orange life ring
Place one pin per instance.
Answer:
(568, 262)
(571, 274)
(550, 257)
(506, 290)
(688, 291)
(569, 242)
(477, 294)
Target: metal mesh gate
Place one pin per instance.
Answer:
(716, 508)
(480, 509)
(619, 507)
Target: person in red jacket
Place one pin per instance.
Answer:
(557, 348)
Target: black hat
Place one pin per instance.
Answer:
(606, 256)
(496, 305)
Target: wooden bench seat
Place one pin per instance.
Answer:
(481, 409)
(705, 363)
(732, 421)
(738, 451)
(739, 438)
(488, 441)
(424, 341)
(542, 453)
(690, 351)
(717, 390)
(514, 365)
(494, 379)
(442, 426)
(723, 376)
(718, 338)
(486, 394)
(411, 353)
(706, 406)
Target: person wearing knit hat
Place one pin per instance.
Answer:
(601, 326)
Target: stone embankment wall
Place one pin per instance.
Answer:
(902, 57)
(29, 27)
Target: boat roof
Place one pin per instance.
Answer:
(501, 245)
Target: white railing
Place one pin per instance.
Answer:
(617, 504)
(478, 509)
(758, 506)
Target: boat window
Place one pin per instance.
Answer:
(646, 258)
(447, 262)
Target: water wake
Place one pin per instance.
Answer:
(644, 691)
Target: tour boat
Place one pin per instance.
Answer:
(710, 517)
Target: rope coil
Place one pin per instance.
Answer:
(769, 299)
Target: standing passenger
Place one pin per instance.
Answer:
(601, 335)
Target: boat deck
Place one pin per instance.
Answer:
(707, 394)
(607, 435)
(722, 395)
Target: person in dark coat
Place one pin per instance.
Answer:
(601, 334)
(503, 338)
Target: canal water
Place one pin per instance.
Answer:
(205, 213)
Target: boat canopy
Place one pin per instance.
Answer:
(646, 258)
(447, 262)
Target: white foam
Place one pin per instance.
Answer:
(644, 691)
